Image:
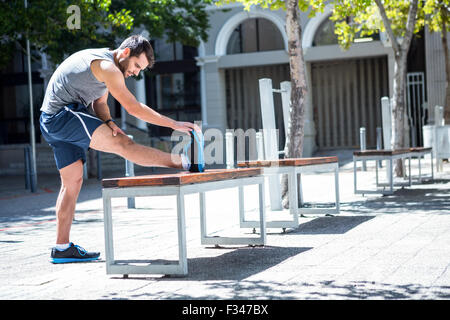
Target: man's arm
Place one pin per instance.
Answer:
(101, 109)
(115, 82)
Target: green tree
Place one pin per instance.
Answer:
(45, 23)
(398, 19)
(184, 21)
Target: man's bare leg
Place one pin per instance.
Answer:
(103, 140)
(71, 181)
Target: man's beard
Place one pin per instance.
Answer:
(123, 66)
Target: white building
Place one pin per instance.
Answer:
(345, 87)
(217, 82)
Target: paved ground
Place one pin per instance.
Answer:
(391, 247)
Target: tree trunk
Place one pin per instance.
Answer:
(447, 64)
(294, 147)
(398, 107)
(400, 57)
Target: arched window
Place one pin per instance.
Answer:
(325, 35)
(253, 35)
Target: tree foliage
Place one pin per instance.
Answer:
(184, 21)
(44, 22)
(363, 17)
(436, 14)
(313, 6)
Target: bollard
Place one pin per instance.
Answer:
(229, 141)
(26, 156)
(386, 116)
(32, 172)
(129, 172)
(260, 145)
(379, 144)
(362, 143)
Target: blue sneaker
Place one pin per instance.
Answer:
(194, 151)
(73, 253)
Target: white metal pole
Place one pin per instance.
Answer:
(362, 144)
(386, 115)
(229, 143)
(270, 138)
(32, 133)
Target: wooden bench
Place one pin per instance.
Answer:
(179, 184)
(294, 167)
(390, 156)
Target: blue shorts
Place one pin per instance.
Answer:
(69, 133)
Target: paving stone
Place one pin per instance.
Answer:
(393, 247)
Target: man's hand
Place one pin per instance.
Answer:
(185, 127)
(115, 128)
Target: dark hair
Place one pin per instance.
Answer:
(138, 44)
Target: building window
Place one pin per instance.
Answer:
(177, 92)
(173, 84)
(254, 35)
(14, 100)
(325, 35)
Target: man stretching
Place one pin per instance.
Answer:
(83, 79)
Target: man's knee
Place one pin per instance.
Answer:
(72, 183)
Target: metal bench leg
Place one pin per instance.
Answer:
(432, 170)
(300, 190)
(241, 206)
(109, 244)
(293, 197)
(376, 173)
(391, 176)
(420, 170)
(262, 212)
(181, 234)
(336, 187)
(203, 229)
(409, 163)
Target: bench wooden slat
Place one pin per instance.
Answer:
(181, 178)
(420, 149)
(380, 152)
(390, 152)
(288, 162)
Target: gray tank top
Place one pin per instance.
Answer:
(73, 81)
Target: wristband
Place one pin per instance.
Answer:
(106, 122)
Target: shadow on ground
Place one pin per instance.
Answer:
(238, 264)
(316, 290)
(330, 225)
(403, 200)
